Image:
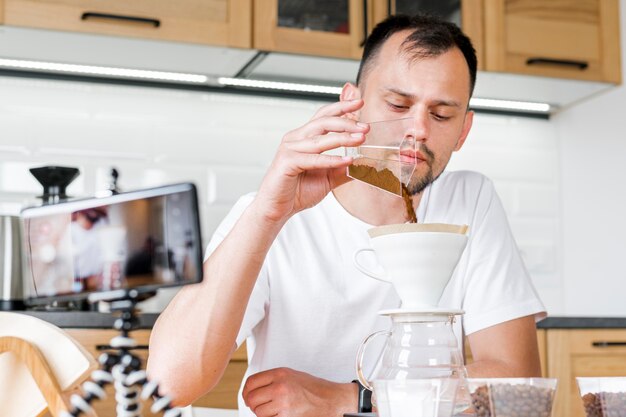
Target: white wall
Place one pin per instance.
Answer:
(561, 180)
(224, 143)
(592, 143)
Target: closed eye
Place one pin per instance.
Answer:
(397, 106)
(440, 117)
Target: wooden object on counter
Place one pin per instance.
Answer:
(577, 39)
(40, 372)
(211, 22)
(40, 366)
(578, 353)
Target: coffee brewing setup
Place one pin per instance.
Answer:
(420, 371)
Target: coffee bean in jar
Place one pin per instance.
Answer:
(512, 400)
(605, 404)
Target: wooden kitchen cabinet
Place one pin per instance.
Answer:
(213, 22)
(578, 353)
(324, 28)
(338, 28)
(576, 39)
(224, 395)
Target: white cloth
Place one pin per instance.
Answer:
(311, 308)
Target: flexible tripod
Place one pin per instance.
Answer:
(120, 367)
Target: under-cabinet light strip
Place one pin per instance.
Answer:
(104, 71)
(486, 103)
(482, 103)
(129, 73)
(276, 85)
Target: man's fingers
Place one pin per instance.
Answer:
(323, 143)
(301, 162)
(338, 109)
(269, 409)
(325, 125)
(258, 397)
(256, 381)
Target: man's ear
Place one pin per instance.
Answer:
(350, 92)
(467, 125)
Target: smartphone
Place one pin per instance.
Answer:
(142, 240)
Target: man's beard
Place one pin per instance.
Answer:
(417, 184)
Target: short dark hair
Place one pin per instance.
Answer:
(430, 36)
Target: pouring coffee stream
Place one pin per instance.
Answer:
(418, 260)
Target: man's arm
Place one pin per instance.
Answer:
(508, 349)
(195, 336)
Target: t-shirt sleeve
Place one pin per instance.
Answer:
(498, 286)
(255, 311)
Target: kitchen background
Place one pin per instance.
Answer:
(560, 179)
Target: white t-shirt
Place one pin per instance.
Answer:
(311, 308)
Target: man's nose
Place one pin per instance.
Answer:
(417, 128)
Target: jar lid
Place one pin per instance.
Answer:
(421, 314)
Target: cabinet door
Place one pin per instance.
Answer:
(325, 28)
(567, 38)
(224, 395)
(214, 22)
(573, 353)
(94, 340)
(467, 14)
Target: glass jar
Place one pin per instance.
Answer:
(420, 345)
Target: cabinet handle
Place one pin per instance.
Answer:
(134, 19)
(108, 347)
(581, 65)
(606, 343)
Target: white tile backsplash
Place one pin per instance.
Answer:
(537, 200)
(232, 182)
(224, 144)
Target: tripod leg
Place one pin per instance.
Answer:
(161, 403)
(93, 389)
(126, 395)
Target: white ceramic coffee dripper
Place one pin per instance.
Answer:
(418, 262)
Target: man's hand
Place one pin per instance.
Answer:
(300, 176)
(289, 393)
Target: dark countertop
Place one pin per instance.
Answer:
(95, 320)
(87, 319)
(582, 323)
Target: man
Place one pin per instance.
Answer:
(280, 269)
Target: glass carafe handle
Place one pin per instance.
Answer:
(360, 354)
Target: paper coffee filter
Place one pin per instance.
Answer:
(417, 227)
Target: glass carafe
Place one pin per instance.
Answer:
(420, 345)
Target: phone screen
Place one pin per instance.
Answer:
(144, 239)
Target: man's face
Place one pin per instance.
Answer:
(433, 92)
